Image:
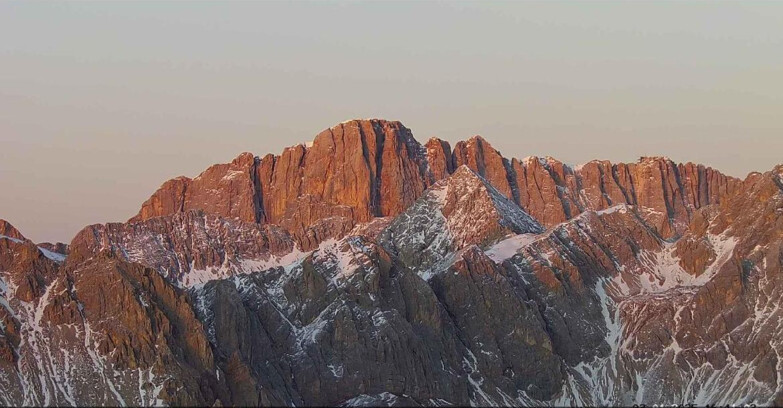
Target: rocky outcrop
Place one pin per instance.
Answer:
(509, 345)
(189, 248)
(169, 199)
(225, 189)
(105, 332)
(22, 261)
(542, 192)
(665, 194)
(57, 248)
(140, 324)
(457, 212)
(344, 322)
(101, 332)
(477, 154)
(8, 231)
(439, 158)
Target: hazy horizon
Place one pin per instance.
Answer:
(100, 103)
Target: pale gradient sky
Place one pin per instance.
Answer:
(102, 102)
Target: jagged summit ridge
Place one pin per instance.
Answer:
(361, 169)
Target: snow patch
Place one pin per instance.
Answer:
(336, 371)
(365, 400)
(509, 247)
(54, 256)
(198, 277)
(16, 240)
(621, 208)
(661, 271)
(344, 256)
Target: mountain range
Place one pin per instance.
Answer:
(368, 269)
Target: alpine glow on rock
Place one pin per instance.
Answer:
(367, 268)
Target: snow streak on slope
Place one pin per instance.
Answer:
(198, 277)
(669, 375)
(628, 300)
(661, 271)
(15, 240)
(509, 247)
(513, 244)
(54, 256)
(53, 369)
(420, 235)
(343, 256)
(192, 248)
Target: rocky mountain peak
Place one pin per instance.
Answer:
(654, 159)
(16, 249)
(367, 268)
(8, 230)
(477, 140)
(485, 160)
(474, 209)
(439, 158)
(361, 169)
(462, 210)
(244, 159)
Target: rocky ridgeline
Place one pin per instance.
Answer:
(368, 269)
(363, 169)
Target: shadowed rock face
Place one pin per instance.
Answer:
(367, 269)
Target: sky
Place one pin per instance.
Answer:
(100, 103)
